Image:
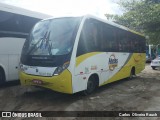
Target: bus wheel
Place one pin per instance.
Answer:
(153, 67)
(2, 77)
(132, 73)
(91, 85)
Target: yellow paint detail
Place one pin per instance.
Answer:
(135, 32)
(66, 63)
(81, 58)
(125, 71)
(61, 83)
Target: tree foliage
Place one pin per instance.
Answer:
(142, 16)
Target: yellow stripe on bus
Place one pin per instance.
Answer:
(126, 69)
(136, 32)
(81, 58)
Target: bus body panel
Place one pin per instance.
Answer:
(61, 83)
(4, 64)
(38, 71)
(98, 63)
(69, 83)
(10, 50)
(16, 24)
(136, 61)
(13, 66)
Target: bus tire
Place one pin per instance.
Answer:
(132, 73)
(2, 76)
(91, 85)
(153, 67)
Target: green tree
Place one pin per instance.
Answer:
(142, 16)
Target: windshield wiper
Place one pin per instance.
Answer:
(37, 43)
(49, 45)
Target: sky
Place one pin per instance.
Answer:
(69, 7)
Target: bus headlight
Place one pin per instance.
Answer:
(22, 67)
(60, 69)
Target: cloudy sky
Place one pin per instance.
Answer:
(68, 7)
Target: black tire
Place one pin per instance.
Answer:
(132, 73)
(2, 77)
(153, 67)
(91, 86)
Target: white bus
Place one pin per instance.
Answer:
(72, 54)
(15, 24)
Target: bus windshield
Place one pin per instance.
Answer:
(52, 37)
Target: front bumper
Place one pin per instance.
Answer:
(60, 83)
(155, 63)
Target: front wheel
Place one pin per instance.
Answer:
(2, 77)
(132, 73)
(91, 86)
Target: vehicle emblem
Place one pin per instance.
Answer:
(113, 62)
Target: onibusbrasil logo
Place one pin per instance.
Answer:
(113, 62)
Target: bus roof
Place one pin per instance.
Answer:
(21, 11)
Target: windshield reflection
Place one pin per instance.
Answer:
(52, 37)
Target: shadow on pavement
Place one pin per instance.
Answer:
(10, 83)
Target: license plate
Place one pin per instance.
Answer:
(38, 82)
(155, 62)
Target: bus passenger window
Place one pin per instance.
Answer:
(81, 45)
(90, 38)
(109, 41)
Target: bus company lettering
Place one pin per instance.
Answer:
(113, 62)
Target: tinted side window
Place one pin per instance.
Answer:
(28, 23)
(123, 41)
(99, 36)
(137, 43)
(142, 44)
(89, 38)
(15, 22)
(132, 42)
(10, 22)
(109, 43)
